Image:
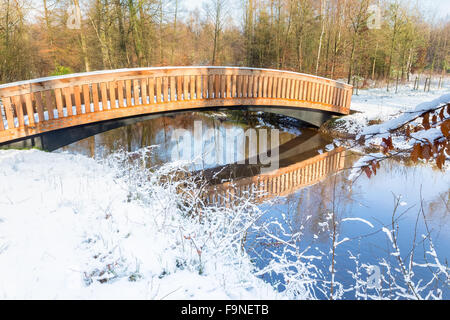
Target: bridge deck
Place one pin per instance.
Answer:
(29, 108)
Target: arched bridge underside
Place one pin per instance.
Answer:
(56, 106)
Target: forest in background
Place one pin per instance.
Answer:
(330, 38)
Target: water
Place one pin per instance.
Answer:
(303, 194)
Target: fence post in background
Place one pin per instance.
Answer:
(396, 84)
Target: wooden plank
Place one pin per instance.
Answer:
(269, 87)
(120, 96)
(17, 100)
(95, 99)
(136, 93)
(288, 88)
(222, 86)
(260, 86)
(296, 83)
(245, 86)
(264, 87)
(151, 90)
(239, 86)
(68, 100)
(294, 89)
(216, 86)
(128, 92)
(30, 110)
(112, 94)
(86, 98)
(104, 93)
(233, 86)
(300, 90)
(173, 89)
(50, 104)
(158, 91)
(309, 94)
(332, 91)
(77, 96)
(250, 86)
(198, 87)
(165, 84)
(341, 98)
(185, 87)
(179, 88)
(313, 91)
(59, 103)
(144, 95)
(283, 88)
(306, 91)
(337, 97)
(8, 112)
(327, 94)
(319, 92)
(275, 87)
(349, 98)
(192, 87)
(255, 86)
(228, 86)
(205, 86)
(2, 125)
(39, 106)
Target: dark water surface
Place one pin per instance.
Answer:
(303, 207)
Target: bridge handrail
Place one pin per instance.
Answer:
(31, 107)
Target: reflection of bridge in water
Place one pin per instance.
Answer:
(280, 182)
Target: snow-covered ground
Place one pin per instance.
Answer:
(377, 105)
(72, 227)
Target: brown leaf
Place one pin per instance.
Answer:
(426, 152)
(417, 150)
(374, 167)
(387, 144)
(445, 128)
(440, 159)
(408, 132)
(434, 119)
(426, 121)
(367, 171)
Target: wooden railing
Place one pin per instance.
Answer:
(32, 107)
(281, 182)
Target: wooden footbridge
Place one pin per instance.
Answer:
(36, 107)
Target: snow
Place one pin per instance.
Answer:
(378, 105)
(380, 113)
(360, 220)
(72, 227)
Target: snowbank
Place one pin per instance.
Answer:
(74, 228)
(378, 106)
